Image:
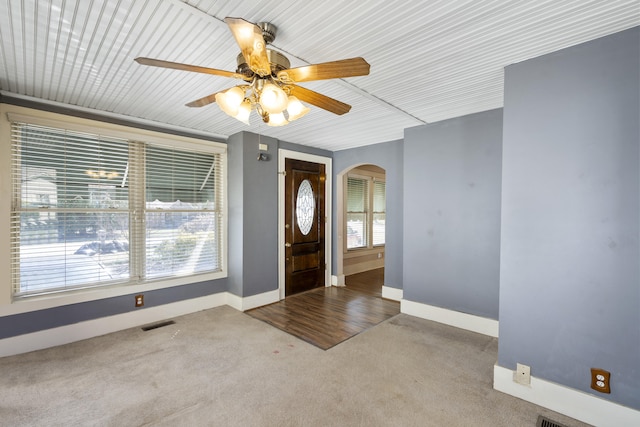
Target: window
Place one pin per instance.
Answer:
(357, 207)
(366, 205)
(90, 210)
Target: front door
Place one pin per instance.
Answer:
(304, 218)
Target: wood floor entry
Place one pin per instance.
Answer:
(325, 317)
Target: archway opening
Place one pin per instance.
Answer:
(361, 221)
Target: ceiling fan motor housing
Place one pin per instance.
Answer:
(277, 61)
(268, 31)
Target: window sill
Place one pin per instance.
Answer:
(43, 302)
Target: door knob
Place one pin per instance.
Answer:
(287, 245)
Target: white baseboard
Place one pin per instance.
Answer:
(570, 402)
(105, 325)
(481, 325)
(337, 280)
(253, 301)
(391, 293)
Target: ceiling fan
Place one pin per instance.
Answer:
(269, 84)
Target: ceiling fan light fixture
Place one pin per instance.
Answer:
(268, 78)
(296, 109)
(230, 100)
(277, 119)
(244, 111)
(273, 99)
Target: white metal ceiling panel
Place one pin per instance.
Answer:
(430, 60)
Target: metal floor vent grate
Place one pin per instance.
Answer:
(158, 325)
(546, 422)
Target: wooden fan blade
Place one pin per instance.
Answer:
(252, 44)
(327, 70)
(319, 100)
(209, 99)
(186, 67)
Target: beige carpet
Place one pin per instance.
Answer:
(221, 367)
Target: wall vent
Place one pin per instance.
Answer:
(546, 422)
(158, 325)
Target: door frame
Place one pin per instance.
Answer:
(326, 161)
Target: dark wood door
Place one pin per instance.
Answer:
(304, 226)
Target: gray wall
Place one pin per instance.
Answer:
(253, 212)
(235, 200)
(570, 290)
(253, 215)
(452, 213)
(388, 156)
(35, 321)
(304, 149)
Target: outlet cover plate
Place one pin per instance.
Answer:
(601, 380)
(523, 374)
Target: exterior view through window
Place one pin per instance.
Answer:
(90, 210)
(366, 206)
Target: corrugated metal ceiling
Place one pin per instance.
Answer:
(430, 60)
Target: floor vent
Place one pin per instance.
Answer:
(546, 422)
(158, 325)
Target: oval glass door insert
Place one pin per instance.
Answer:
(305, 207)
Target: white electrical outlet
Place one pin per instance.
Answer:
(522, 374)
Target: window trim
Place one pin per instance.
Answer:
(9, 113)
(373, 181)
(366, 211)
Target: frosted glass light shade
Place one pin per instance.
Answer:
(273, 99)
(229, 101)
(277, 120)
(296, 109)
(244, 111)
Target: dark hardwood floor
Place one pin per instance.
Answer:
(325, 317)
(370, 282)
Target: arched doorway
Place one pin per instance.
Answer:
(361, 219)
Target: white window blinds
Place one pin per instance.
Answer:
(90, 210)
(366, 212)
(182, 212)
(357, 212)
